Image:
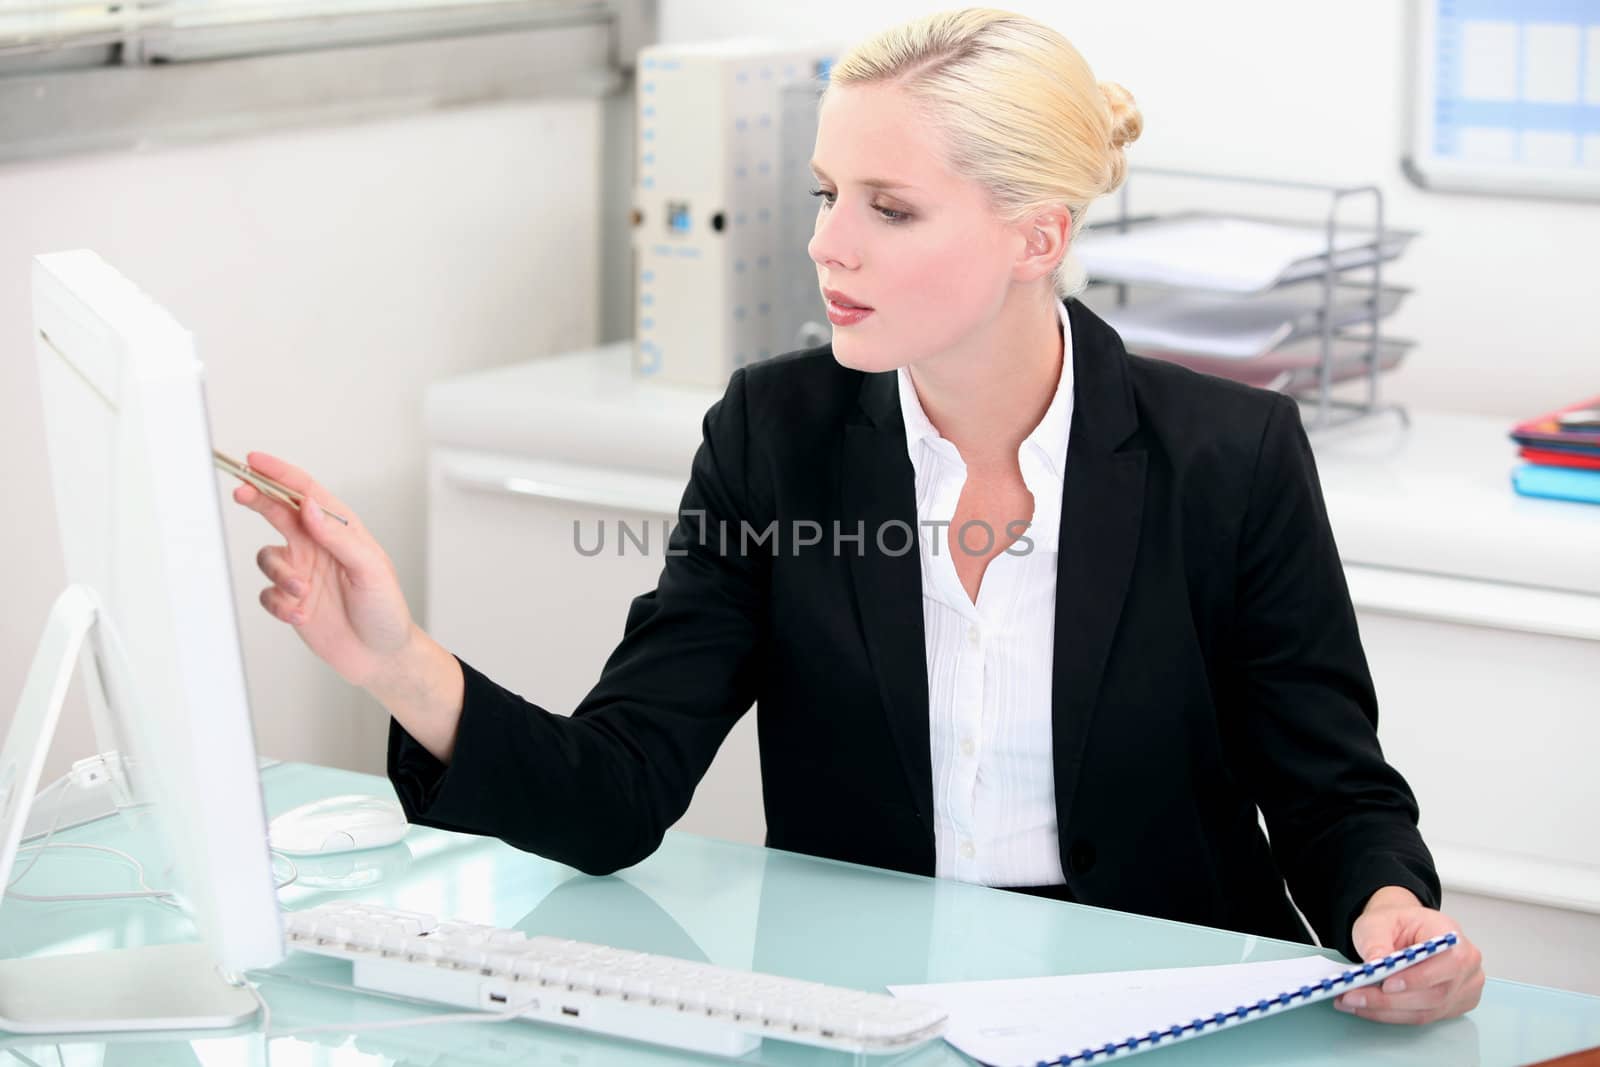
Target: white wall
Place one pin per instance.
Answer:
(1504, 288)
(327, 275)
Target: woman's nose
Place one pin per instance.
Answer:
(831, 244)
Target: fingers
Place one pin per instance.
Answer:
(1405, 1018)
(351, 545)
(1409, 1008)
(1414, 1000)
(274, 563)
(308, 528)
(288, 474)
(1423, 993)
(280, 471)
(1438, 970)
(281, 516)
(355, 550)
(281, 606)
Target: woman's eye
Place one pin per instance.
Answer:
(889, 214)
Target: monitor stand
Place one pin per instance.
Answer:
(156, 987)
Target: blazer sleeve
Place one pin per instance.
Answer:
(597, 790)
(1342, 822)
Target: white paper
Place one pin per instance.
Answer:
(1236, 255)
(1018, 1022)
(1229, 327)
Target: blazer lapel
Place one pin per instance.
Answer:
(1102, 501)
(877, 486)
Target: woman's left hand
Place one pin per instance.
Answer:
(1443, 987)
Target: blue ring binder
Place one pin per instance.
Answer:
(1261, 1007)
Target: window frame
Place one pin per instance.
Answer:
(164, 85)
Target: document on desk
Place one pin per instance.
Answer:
(1021, 1022)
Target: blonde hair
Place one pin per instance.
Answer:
(1021, 111)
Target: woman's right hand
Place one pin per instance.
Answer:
(333, 583)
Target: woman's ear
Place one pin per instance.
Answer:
(1044, 245)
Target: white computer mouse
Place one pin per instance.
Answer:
(338, 824)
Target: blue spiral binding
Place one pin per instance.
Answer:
(1260, 1007)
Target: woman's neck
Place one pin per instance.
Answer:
(986, 397)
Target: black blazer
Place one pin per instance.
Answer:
(1206, 662)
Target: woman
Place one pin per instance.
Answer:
(1016, 607)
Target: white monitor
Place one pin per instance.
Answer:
(149, 594)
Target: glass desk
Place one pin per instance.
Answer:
(703, 899)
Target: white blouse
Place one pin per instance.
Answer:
(989, 663)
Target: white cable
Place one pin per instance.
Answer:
(144, 892)
(266, 1010)
(294, 869)
(55, 821)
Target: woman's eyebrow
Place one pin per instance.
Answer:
(875, 183)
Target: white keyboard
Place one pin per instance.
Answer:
(659, 999)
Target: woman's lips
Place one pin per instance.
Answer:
(845, 315)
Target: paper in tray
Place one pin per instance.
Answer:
(1227, 326)
(1294, 367)
(1227, 253)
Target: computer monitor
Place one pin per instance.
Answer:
(150, 604)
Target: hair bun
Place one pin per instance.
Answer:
(1126, 121)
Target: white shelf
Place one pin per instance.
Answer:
(1437, 499)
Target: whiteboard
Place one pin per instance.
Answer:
(1506, 97)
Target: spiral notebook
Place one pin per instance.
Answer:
(1090, 1018)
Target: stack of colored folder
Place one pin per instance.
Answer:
(1562, 454)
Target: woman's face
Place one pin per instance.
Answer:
(899, 233)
